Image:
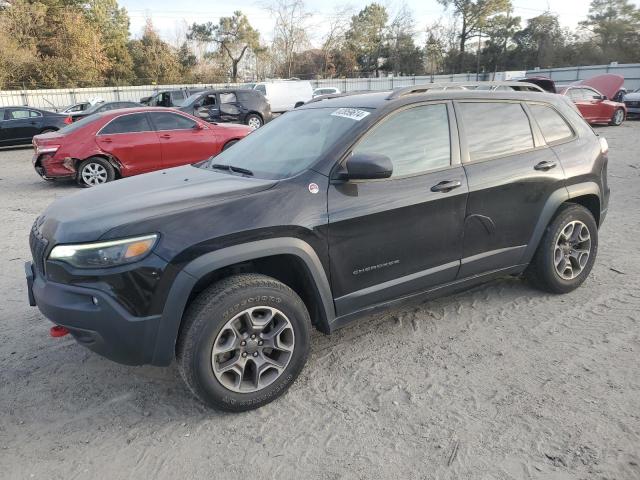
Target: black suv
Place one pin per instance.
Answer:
(237, 106)
(328, 213)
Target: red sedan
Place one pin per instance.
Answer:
(594, 106)
(126, 142)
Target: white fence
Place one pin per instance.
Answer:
(564, 75)
(56, 98)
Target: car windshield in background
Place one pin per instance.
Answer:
(289, 144)
(191, 99)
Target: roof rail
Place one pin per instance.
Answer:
(401, 92)
(338, 95)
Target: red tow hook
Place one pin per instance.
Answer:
(58, 331)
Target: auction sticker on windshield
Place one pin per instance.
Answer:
(352, 113)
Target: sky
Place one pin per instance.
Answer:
(171, 18)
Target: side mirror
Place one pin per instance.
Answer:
(601, 97)
(368, 166)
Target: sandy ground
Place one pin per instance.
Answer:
(500, 382)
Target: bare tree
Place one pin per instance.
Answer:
(333, 40)
(290, 34)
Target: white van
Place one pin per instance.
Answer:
(285, 95)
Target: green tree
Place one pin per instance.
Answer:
(615, 25)
(500, 30)
(541, 43)
(366, 37)
(154, 61)
(233, 36)
(112, 22)
(473, 16)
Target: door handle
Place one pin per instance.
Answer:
(446, 186)
(166, 135)
(106, 140)
(545, 165)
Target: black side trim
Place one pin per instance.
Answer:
(435, 292)
(202, 266)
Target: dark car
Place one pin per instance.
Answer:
(18, 125)
(169, 98)
(329, 213)
(237, 105)
(105, 107)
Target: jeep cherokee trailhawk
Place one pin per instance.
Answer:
(343, 206)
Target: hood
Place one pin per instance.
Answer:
(608, 84)
(88, 215)
(545, 83)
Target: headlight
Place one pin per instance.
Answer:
(104, 254)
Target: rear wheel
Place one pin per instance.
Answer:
(617, 118)
(95, 171)
(567, 251)
(254, 121)
(243, 342)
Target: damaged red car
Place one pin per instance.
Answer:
(126, 142)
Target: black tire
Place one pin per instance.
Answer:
(542, 271)
(230, 143)
(109, 171)
(617, 118)
(254, 120)
(207, 316)
(298, 104)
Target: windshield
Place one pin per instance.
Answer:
(191, 99)
(291, 143)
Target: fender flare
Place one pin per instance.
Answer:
(554, 201)
(188, 277)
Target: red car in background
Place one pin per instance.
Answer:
(126, 142)
(594, 107)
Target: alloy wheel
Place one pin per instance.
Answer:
(572, 250)
(94, 174)
(253, 349)
(254, 122)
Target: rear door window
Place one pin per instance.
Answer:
(228, 98)
(171, 121)
(416, 140)
(554, 128)
(495, 129)
(137, 122)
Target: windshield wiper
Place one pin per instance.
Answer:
(232, 169)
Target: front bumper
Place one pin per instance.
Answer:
(95, 319)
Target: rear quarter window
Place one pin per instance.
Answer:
(495, 129)
(554, 128)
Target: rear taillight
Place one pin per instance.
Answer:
(47, 149)
(604, 145)
(68, 120)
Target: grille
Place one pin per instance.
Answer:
(38, 245)
(633, 103)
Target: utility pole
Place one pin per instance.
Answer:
(478, 55)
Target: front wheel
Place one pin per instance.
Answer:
(243, 342)
(567, 251)
(95, 171)
(617, 118)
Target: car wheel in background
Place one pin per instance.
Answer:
(243, 342)
(566, 252)
(48, 130)
(229, 144)
(95, 171)
(254, 121)
(617, 118)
